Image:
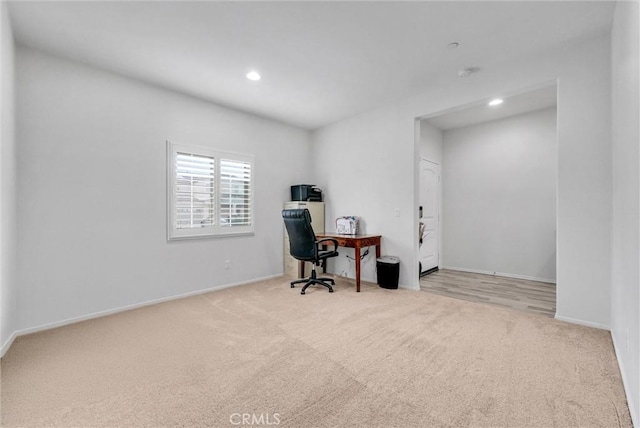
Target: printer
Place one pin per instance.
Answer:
(306, 192)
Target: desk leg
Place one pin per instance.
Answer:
(377, 252)
(357, 254)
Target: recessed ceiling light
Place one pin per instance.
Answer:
(253, 75)
(495, 102)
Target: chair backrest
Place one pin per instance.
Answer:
(302, 239)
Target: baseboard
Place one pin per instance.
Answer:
(6, 345)
(582, 322)
(68, 321)
(633, 410)
(506, 275)
(373, 282)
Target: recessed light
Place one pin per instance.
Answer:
(253, 75)
(495, 102)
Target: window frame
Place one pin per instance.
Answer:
(216, 230)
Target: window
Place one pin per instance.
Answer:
(210, 193)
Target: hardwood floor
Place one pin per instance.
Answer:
(520, 294)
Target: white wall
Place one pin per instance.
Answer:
(499, 196)
(584, 189)
(369, 167)
(8, 188)
(430, 142)
(365, 170)
(625, 282)
(92, 191)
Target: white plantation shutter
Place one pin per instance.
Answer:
(235, 193)
(210, 193)
(195, 191)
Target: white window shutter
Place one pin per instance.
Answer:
(235, 193)
(209, 193)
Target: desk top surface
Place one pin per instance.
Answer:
(341, 235)
(338, 235)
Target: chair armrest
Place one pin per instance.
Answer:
(334, 241)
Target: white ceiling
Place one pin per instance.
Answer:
(320, 61)
(520, 103)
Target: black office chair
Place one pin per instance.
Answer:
(304, 246)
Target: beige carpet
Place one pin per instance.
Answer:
(380, 358)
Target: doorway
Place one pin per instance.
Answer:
(429, 231)
(487, 192)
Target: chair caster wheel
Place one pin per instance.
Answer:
(302, 292)
(331, 290)
(292, 286)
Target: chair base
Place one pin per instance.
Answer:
(313, 279)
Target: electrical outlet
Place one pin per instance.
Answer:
(227, 264)
(397, 212)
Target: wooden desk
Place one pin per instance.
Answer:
(356, 242)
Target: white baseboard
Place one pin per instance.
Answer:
(582, 322)
(633, 410)
(6, 345)
(73, 320)
(506, 275)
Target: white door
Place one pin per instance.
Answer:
(430, 203)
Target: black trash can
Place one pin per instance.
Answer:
(388, 268)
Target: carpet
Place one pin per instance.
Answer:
(263, 355)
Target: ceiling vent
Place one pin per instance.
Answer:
(465, 72)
